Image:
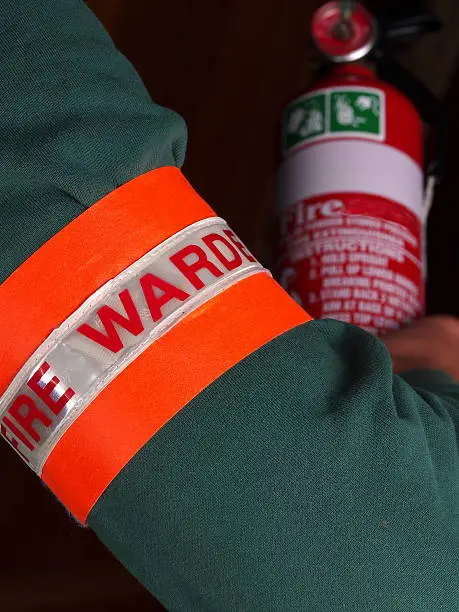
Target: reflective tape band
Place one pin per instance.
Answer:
(135, 353)
(114, 326)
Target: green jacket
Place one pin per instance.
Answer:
(307, 476)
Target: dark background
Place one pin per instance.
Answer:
(228, 67)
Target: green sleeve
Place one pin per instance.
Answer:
(306, 478)
(75, 122)
(436, 388)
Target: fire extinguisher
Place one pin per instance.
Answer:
(357, 176)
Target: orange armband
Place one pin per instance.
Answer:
(120, 320)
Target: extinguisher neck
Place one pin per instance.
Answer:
(352, 70)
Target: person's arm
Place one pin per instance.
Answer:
(76, 122)
(426, 355)
(236, 458)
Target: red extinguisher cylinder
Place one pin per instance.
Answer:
(350, 202)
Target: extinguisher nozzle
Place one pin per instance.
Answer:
(347, 7)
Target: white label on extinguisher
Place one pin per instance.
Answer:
(351, 167)
(352, 257)
(355, 112)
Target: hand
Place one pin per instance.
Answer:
(431, 343)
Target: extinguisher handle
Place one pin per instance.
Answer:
(403, 23)
(428, 105)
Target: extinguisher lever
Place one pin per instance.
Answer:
(403, 23)
(407, 30)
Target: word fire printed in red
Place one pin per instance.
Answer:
(42, 402)
(355, 258)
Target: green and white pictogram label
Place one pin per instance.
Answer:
(305, 120)
(357, 112)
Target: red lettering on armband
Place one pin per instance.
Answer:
(24, 414)
(30, 415)
(211, 241)
(237, 243)
(45, 392)
(131, 322)
(169, 292)
(190, 270)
